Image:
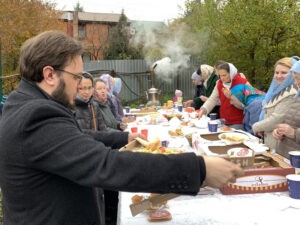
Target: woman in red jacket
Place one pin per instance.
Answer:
(229, 77)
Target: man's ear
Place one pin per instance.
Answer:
(50, 77)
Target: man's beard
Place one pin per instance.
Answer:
(60, 95)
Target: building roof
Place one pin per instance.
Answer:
(95, 17)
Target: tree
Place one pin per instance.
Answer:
(119, 46)
(17, 24)
(252, 34)
(78, 7)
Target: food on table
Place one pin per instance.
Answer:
(175, 133)
(159, 215)
(170, 116)
(148, 109)
(232, 137)
(185, 123)
(189, 137)
(189, 109)
(137, 198)
(157, 206)
(226, 128)
(155, 147)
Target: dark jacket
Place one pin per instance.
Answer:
(211, 83)
(88, 115)
(109, 119)
(49, 167)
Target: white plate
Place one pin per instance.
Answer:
(231, 138)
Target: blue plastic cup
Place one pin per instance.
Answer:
(293, 181)
(179, 108)
(164, 143)
(213, 116)
(127, 109)
(212, 126)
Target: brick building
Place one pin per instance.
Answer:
(92, 29)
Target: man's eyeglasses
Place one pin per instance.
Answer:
(75, 76)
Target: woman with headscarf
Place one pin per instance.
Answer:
(249, 98)
(288, 132)
(115, 100)
(199, 88)
(279, 98)
(209, 79)
(109, 83)
(229, 77)
(100, 96)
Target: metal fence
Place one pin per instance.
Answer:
(135, 75)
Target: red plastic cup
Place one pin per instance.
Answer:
(134, 129)
(145, 132)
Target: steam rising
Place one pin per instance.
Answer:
(173, 45)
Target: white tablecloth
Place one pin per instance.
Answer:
(215, 209)
(248, 209)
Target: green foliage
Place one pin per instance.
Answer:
(251, 34)
(119, 47)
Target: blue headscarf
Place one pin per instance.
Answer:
(275, 88)
(296, 69)
(117, 86)
(246, 94)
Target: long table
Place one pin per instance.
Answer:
(215, 208)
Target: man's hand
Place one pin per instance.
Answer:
(123, 126)
(132, 136)
(220, 172)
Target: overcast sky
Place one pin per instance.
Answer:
(148, 10)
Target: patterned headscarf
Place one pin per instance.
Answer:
(109, 82)
(246, 94)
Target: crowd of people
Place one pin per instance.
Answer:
(53, 171)
(61, 129)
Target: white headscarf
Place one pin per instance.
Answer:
(232, 72)
(206, 71)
